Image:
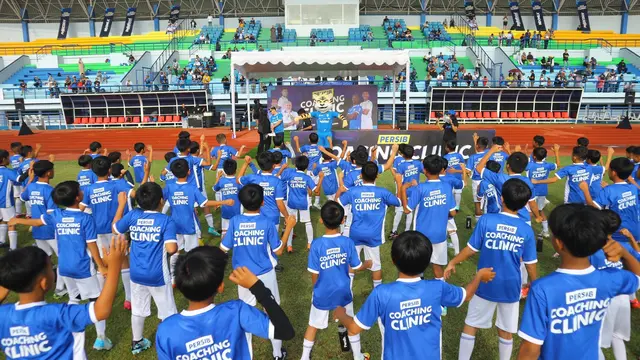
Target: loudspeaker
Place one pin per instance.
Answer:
(629, 98)
(19, 103)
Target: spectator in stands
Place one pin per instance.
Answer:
(490, 40)
(444, 23)
(206, 79)
(207, 39)
(505, 22)
(252, 21)
(81, 67)
(521, 42)
(593, 62)
(551, 61)
(23, 87)
(87, 85)
(547, 37)
(226, 84)
(148, 82)
(585, 62)
(527, 38)
(452, 23)
(543, 63)
(532, 79)
(622, 67)
(128, 85)
(184, 115)
(530, 59)
(475, 77)
(629, 86)
(37, 83)
(541, 80)
(485, 81)
(509, 38)
(397, 25)
(279, 31)
(565, 58)
(218, 46)
(260, 48)
(425, 25)
(369, 36)
(473, 24)
(478, 65)
(210, 20)
(385, 20)
(454, 80)
(201, 39)
(273, 33)
(193, 24)
(386, 83)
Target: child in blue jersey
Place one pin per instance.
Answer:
(280, 146)
(115, 157)
(410, 308)
(197, 152)
(15, 161)
(597, 171)
(432, 204)
(153, 239)
(635, 176)
(117, 173)
(311, 151)
(77, 247)
(223, 152)
(228, 188)
(138, 161)
(33, 329)
(86, 176)
(538, 141)
(39, 196)
(184, 148)
(582, 141)
(487, 192)
(369, 208)
(277, 121)
(501, 156)
(182, 135)
(218, 331)
(330, 258)
(95, 149)
(456, 168)
(410, 170)
(502, 240)
(481, 144)
(329, 167)
(456, 185)
(539, 169)
(8, 178)
(575, 174)
(564, 311)
(29, 155)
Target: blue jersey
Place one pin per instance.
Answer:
(354, 177)
(102, 198)
(194, 164)
(540, 170)
(149, 232)
(346, 166)
(502, 240)
(215, 332)
(74, 230)
(324, 120)
(369, 208)
(330, 258)
(226, 152)
(298, 185)
(410, 310)
(229, 188)
(501, 158)
(43, 331)
(183, 198)
(575, 174)
(137, 163)
(622, 198)
(354, 124)
(454, 182)
(330, 179)
(455, 161)
(253, 239)
(85, 178)
(595, 183)
(198, 168)
(93, 156)
(410, 170)
(565, 309)
(274, 190)
(38, 195)
(8, 178)
(168, 178)
(599, 261)
(15, 161)
(286, 155)
(488, 193)
(431, 203)
(498, 179)
(24, 169)
(472, 162)
(312, 152)
(274, 119)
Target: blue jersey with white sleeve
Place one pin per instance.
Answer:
(230, 189)
(138, 163)
(622, 198)
(431, 203)
(227, 152)
(286, 155)
(183, 199)
(575, 174)
(312, 152)
(8, 178)
(85, 178)
(38, 194)
(102, 198)
(502, 240)
(168, 178)
(298, 185)
(410, 170)
(346, 166)
(410, 310)
(498, 180)
(599, 261)
(488, 193)
(355, 123)
(330, 180)
(566, 308)
(369, 208)
(253, 239)
(501, 158)
(595, 183)
(15, 161)
(274, 189)
(74, 230)
(354, 177)
(330, 257)
(93, 156)
(43, 331)
(24, 169)
(455, 161)
(324, 120)
(540, 170)
(214, 332)
(472, 162)
(194, 163)
(198, 168)
(149, 232)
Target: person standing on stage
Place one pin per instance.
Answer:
(366, 120)
(449, 126)
(277, 122)
(354, 115)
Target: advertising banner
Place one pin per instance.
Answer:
(107, 21)
(128, 23)
(583, 16)
(516, 16)
(357, 103)
(538, 17)
(65, 15)
(424, 142)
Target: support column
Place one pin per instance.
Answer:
(554, 16)
(624, 21)
(156, 19)
(92, 21)
(24, 15)
(489, 12)
(221, 6)
(233, 99)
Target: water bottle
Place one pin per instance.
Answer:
(468, 223)
(539, 242)
(344, 339)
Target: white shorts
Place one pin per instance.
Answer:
(270, 281)
(225, 224)
(480, 314)
(162, 295)
(104, 241)
(87, 288)
(7, 213)
(319, 319)
(439, 254)
(331, 197)
(187, 242)
(17, 190)
(617, 322)
(304, 215)
(541, 201)
(48, 246)
(371, 253)
(451, 225)
(474, 190)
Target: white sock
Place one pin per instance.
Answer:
(458, 198)
(309, 229)
(466, 346)
(397, 216)
(126, 281)
(478, 217)
(632, 296)
(73, 301)
(100, 280)
(101, 328)
(290, 239)
(346, 230)
(3, 233)
(619, 349)
(18, 206)
(28, 205)
(455, 241)
(316, 201)
(355, 347)
(13, 239)
(306, 349)
(209, 218)
(277, 348)
(524, 275)
(505, 347)
(137, 327)
(59, 281)
(545, 226)
(352, 276)
(408, 221)
(376, 283)
(165, 207)
(172, 264)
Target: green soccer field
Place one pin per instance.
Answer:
(295, 291)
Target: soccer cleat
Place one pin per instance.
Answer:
(213, 232)
(316, 206)
(102, 344)
(200, 242)
(289, 249)
(308, 246)
(635, 304)
(556, 255)
(127, 305)
(284, 355)
(546, 234)
(59, 294)
(444, 311)
(366, 356)
(279, 268)
(524, 293)
(4, 245)
(140, 346)
(393, 235)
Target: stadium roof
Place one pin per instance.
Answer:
(49, 10)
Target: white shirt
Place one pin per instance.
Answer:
(366, 120)
(283, 100)
(210, 18)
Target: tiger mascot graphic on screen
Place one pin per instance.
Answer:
(324, 115)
